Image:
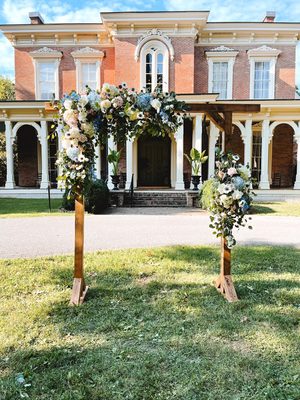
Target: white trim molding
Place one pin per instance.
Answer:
(45, 54)
(154, 34)
(87, 55)
(263, 54)
(221, 54)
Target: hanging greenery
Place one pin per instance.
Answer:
(228, 196)
(87, 119)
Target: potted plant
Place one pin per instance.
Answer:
(196, 158)
(113, 158)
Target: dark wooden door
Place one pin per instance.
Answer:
(154, 161)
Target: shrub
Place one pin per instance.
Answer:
(207, 194)
(96, 197)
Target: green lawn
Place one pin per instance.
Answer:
(288, 208)
(153, 327)
(28, 207)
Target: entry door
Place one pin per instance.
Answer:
(154, 161)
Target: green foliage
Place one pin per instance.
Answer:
(97, 196)
(28, 208)
(114, 158)
(196, 159)
(153, 327)
(207, 194)
(7, 89)
(68, 203)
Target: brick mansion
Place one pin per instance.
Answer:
(202, 61)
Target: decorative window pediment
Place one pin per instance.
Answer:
(154, 34)
(88, 52)
(222, 52)
(264, 51)
(46, 52)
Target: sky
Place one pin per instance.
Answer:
(12, 12)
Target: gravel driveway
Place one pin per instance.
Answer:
(133, 228)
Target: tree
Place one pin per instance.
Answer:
(298, 91)
(7, 92)
(7, 89)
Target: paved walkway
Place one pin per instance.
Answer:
(132, 228)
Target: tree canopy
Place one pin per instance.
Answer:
(7, 89)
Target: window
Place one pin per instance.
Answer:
(261, 80)
(46, 65)
(220, 71)
(155, 66)
(220, 79)
(88, 63)
(256, 157)
(262, 72)
(89, 75)
(47, 82)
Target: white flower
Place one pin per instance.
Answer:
(237, 194)
(68, 104)
(83, 100)
(231, 171)
(73, 153)
(105, 104)
(117, 102)
(226, 201)
(65, 143)
(225, 188)
(74, 132)
(244, 172)
(70, 117)
(156, 104)
(81, 158)
(235, 157)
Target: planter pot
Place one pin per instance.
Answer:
(115, 181)
(196, 181)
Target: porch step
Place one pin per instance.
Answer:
(159, 199)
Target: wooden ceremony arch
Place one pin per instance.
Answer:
(221, 116)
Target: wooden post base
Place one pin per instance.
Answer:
(78, 292)
(225, 286)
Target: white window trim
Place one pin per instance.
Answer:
(163, 49)
(263, 54)
(87, 55)
(45, 54)
(221, 54)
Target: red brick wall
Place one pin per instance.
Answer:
(182, 69)
(27, 156)
(126, 68)
(285, 72)
(282, 154)
(25, 89)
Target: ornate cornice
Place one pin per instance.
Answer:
(46, 52)
(87, 52)
(222, 51)
(154, 34)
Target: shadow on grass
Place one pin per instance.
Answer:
(261, 209)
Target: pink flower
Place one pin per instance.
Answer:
(71, 117)
(231, 171)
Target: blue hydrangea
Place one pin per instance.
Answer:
(238, 182)
(164, 117)
(97, 122)
(93, 97)
(143, 101)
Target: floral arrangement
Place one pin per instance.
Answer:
(89, 118)
(228, 196)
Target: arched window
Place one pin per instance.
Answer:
(155, 66)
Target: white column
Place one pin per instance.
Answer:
(111, 146)
(297, 181)
(213, 137)
(10, 179)
(197, 138)
(129, 162)
(179, 159)
(98, 161)
(265, 140)
(44, 145)
(247, 139)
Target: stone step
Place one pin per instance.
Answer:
(157, 199)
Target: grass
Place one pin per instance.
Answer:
(283, 208)
(153, 327)
(39, 207)
(29, 207)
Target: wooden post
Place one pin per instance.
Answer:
(224, 283)
(79, 288)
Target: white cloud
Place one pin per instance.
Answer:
(7, 58)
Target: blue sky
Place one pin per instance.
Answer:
(88, 11)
